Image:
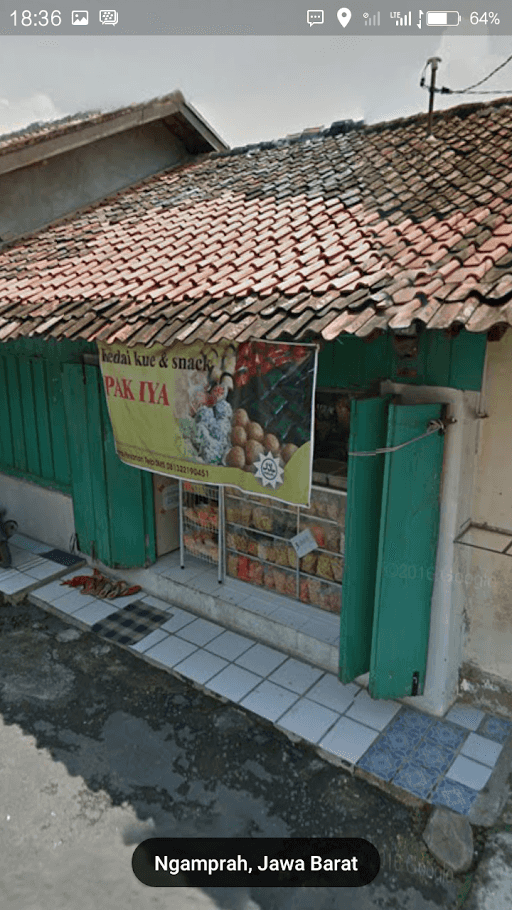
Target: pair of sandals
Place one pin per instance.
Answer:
(97, 585)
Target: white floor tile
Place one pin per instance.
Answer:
(52, 591)
(11, 572)
(372, 712)
(465, 716)
(469, 773)
(73, 601)
(92, 612)
(348, 740)
(295, 675)
(152, 639)
(320, 631)
(229, 645)
(157, 603)
(289, 618)
(44, 570)
(481, 749)
(234, 683)
(261, 659)
(26, 543)
(208, 584)
(269, 701)
(328, 691)
(261, 607)
(171, 651)
(12, 584)
(200, 632)
(308, 720)
(201, 666)
(21, 559)
(177, 620)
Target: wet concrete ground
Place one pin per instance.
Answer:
(99, 751)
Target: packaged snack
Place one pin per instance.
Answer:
(232, 565)
(337, 567)
(304, 590)
(324, 566)
(268, 578)
(256, 573)
(308, 563)
(245, 514)
(292, 558)
(262, 519)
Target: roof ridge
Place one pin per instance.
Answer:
(340, 127)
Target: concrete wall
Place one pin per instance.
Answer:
(45, 515)
(41, 193)
(486, 576)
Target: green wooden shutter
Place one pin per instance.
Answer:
(407, 553)
(368, 423)
(112, 502)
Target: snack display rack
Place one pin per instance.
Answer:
(201, 523)
(258, 549)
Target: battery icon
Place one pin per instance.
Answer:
(443, 18)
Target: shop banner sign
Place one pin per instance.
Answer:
(232, 414)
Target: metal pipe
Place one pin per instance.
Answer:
(434, 62)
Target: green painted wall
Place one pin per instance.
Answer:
(54, 413)
(351, 362)
(33, 440)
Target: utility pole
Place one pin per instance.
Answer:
(434, 61)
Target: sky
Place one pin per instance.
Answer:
(249, 89)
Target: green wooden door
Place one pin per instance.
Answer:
(368, 422)
(112, 502)
(409, 525)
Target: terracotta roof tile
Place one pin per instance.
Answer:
(353, 229)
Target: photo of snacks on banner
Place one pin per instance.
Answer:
(255, 400)
(226, 413)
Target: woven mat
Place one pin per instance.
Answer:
(98, 585)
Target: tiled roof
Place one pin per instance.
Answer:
(351, 229)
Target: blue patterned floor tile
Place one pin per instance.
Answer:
(415, 779)
(380, 761)
(400, 741)
(430, 755)
(447, 735)
(455, 796)
(495, 728)
(411, 720)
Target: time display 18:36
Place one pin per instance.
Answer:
(43, 18)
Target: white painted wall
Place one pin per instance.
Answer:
(487, 576)
(45, 515)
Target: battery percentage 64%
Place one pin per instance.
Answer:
(484, 19)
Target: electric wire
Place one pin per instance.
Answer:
(469, 90)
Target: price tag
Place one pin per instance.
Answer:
(303, 543)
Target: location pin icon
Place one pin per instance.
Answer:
(344, 16)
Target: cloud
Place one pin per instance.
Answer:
(15, 115)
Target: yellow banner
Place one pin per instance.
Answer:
(235, 414)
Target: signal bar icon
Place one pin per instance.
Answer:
(371, 20)
(405, 19)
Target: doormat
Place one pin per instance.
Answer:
(63, 558)
(98, 585)
(129, 625)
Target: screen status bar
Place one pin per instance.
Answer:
(241, 17)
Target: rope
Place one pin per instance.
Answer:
(433, 427)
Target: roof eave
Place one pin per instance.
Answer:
(200, 135)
